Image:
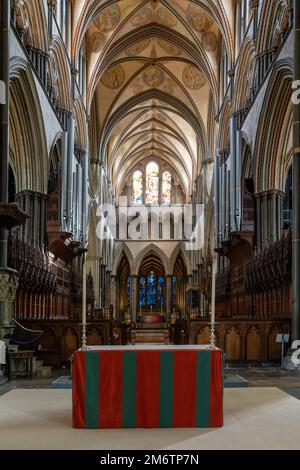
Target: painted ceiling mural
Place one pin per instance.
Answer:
(153, 73)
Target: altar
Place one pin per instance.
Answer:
(147, 386)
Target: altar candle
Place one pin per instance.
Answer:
(213, 290)
(84, 290)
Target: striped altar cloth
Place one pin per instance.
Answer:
(147, 387)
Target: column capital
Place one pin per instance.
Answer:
(253, 4)
(231, 72)
(74, 71)
(52, 4)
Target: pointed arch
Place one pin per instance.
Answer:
(244, 75)
(179, 251)
(224, 126)
(274, 130)
(59, 74)
(81, 127)
(156, 251)
(28, 146)
(122, 250)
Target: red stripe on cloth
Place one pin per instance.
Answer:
(184, 402)
(110, 389)
(78, 389)
(216, 389)
(147, 389)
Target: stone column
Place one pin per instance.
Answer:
(160, 193)
(108, 297)
(134, 296)
(84, 197)
(238, 189)
(254, 7)
(114, 286)
(8, 278)
(265, 240)
(223, 206)
(233, 165)
(273, 213)
(296, 182)
(217, 188)
(69, 182)
(52, 4)
(102, 283)
(169, 297)
(258, 222)
(280, 199)
(4, 119)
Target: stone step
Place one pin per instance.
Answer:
(44, 371)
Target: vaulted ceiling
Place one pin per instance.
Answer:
(153, 81)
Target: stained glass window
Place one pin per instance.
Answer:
(151, 289)
(142, 301)
(166, 187)
(152, 190)
(174, 291)
(128, 292)
(161, 293)
(138, 187)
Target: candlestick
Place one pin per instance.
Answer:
(84, 291)
(213, 290)
(212, 345)
(84, 298)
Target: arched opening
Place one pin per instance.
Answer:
(151, 287)
(247, 190)
(152, 182)
(166, 188)
(54, 191)
(179, 297)
(11, 185)
(124, 287)
(138, 187)
(288, 200)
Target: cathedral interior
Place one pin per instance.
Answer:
(167, 104)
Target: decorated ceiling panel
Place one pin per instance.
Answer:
(153, 74)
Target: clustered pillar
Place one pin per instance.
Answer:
(296, 180)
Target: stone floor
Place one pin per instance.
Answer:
(36, 382)
(289, 382)
(255, 418)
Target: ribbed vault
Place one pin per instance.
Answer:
(153, 74)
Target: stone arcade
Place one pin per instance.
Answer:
(148, 106)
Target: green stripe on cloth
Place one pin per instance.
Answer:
(166, 390)
(129, 390)
(203, 389)
(92, 390)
